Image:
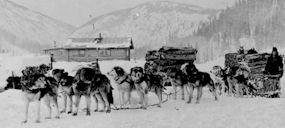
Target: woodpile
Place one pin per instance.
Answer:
(231, 60)
(256, 62)
(169, 57)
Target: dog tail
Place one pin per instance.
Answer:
(110, 97)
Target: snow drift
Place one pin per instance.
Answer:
(227, 112)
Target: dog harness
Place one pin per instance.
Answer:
(139, 81)
(81, 90)
(142, 87)
(124, 78)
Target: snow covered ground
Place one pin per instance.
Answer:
(228, 112)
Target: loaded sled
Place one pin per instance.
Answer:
(168, 57)
(262, 85)
(162, 61)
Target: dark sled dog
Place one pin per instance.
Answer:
(65, 87)
(101, 87)
(87, 82)
(220, 79)
(145, 83)
(198, 80)
(38, 87)
(177, 79)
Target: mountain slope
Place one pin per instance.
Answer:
(151, 25)
(77, 12)
(27, 29)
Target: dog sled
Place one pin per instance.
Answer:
(168, 57)
(266, 85)
(258, 83)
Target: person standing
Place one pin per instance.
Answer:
(274, 67)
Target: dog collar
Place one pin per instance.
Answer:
(117, 78)
(139, 81)
(123, 80)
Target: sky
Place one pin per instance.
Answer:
(78, 12)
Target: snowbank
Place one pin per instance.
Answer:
(228, 112)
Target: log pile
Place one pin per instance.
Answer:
(256, 62)
(231, 60)
(169, 57)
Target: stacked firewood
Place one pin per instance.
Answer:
(169, 57)
(231, 60)
(256, 62)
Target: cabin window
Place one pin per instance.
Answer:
(81, 53)
(105, 52)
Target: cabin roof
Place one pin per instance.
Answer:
(108, 42)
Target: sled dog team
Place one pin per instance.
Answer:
(90, 82)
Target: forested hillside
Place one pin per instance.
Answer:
(250, 23)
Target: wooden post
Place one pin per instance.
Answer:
(129, 54)
(51, 61)
(13, 83)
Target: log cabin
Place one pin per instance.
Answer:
(87, 49)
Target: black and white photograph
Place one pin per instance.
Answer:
(142, 63)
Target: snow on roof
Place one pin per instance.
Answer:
(108, 42)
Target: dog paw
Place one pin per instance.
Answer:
(118, 107)
(74, 114)
(159, 106)
(57, 117)
(25, 121)
(38, 121)
(108, 111)
(62, 111)
(48, 117)
(96, 110)
(188, 102)
(88, 113)
(69, 112)
(197, 102)
(114, 107)
(101, 111)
